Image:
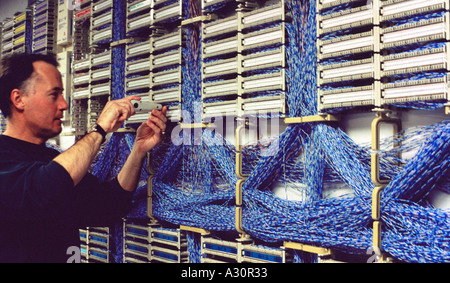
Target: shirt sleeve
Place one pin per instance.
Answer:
(29, 189)
(35, 192)
(100, 203)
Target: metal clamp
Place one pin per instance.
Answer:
(375, 158)
(238, 134)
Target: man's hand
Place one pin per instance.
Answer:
(116, 112)
(150, 133)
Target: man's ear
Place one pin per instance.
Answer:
(17, 99)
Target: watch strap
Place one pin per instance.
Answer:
(97, 128)
(102, 132)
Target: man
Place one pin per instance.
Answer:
(46, 196)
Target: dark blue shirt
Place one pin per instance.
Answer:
(41, 210)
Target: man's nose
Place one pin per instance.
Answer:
(63, 104)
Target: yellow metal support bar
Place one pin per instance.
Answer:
(447, 109)
(122, 41)
(239, 184)
(209, 17)
(239, 173)
(194, 229)
(307, 248)
(238, 218)
(377, 241)
(376, 201)
(150, 170)
(376, 217)
(152, 174)
(195, 125)
(238, 222)
(150, 198)
(315, 118)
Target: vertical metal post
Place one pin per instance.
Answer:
(241, 179)
(152, 174)
(375, 175)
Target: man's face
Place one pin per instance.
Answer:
(44, 104)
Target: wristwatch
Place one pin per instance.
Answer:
(97, 128)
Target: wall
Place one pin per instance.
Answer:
(9, 7)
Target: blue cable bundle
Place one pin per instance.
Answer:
(103, 165)
(194, 187)
(185, 192)
(301, 75)
(111, 159)
(416, 233)
(420, 175)
(343, 223)
(191, 85)
(338, 223)
(272, 219)
(28, 35)
(193, 240)
(196, 181)
(118, 52)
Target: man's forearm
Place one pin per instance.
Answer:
(77, 161)
(128, 177)
(78, 158)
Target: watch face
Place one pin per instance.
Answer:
(92, 128)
